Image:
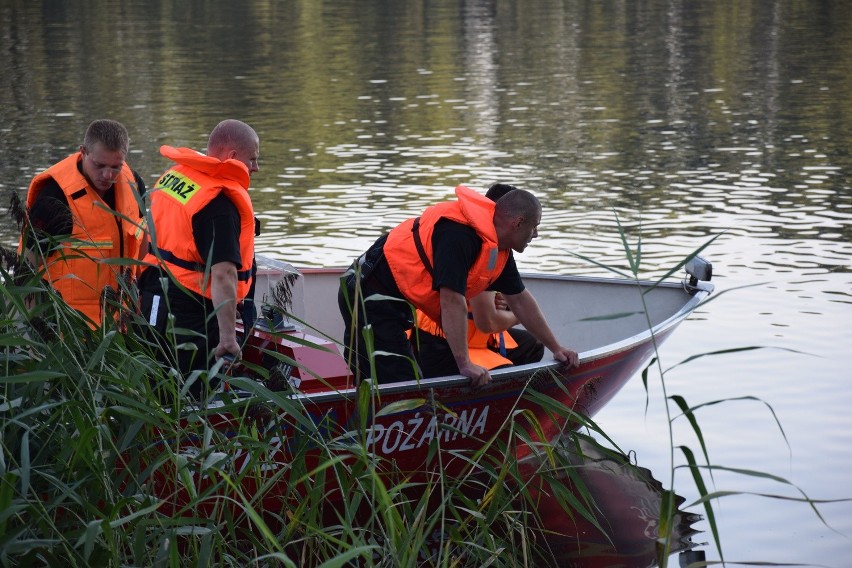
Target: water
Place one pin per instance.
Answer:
(685, 122)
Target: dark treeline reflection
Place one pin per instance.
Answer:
(654, 106)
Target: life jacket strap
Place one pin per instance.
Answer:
(171, 258)
(418, 244)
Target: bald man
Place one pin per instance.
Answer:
(202, 232)
(436, 262)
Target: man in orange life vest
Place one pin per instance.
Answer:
(452, 252)
(202, 248)
(82, 211)
(492, 339)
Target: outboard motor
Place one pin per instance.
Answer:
(699, 270)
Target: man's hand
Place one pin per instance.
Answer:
(228, 346)
(567, 356)
(500, 302)
(526, 308)
(479, 376)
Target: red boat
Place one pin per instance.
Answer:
(614, 325)
(416, 427)
(625, 526)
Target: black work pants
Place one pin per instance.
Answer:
(384, 322)
(196, 334)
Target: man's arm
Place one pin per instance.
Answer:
(144, 245)
(49, 220)
(454, 324)
(529, 314)
(487, 317)
(224, 296)
(216, 229)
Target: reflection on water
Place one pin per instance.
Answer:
(686, 120)
(626, 501)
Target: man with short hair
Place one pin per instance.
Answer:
(493, 340)
(202, 248)
(82, 212)
(436, 262)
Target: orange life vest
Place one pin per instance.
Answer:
(409, 269)
(75, 269)
(478, 341)
(181, 192)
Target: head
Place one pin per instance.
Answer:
(235, 140)
(498, 190)
(516, 219)
(104, 149)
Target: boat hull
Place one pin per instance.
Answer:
(617, 326)
(275, 436)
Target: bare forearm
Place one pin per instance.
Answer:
(501, 321)
(224, 296)
(454, 324)
(488, 317)
(143, 246)
(34, 262)
(528, 312)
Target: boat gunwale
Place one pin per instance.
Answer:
(519, 371)
(700, 293)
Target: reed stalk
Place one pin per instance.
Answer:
(106, 462)
(677, 408)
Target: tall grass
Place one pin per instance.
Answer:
(105, 463)
(696, 464)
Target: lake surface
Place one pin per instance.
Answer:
(725, 124)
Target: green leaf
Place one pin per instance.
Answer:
(345, 558)
(41, 375)
(401, 406)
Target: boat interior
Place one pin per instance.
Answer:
(585, 313)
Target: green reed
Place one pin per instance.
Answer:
(96, 467)
(677, 408)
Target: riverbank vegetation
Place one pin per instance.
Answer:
(106, 463)
(96, 469)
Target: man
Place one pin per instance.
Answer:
(452, 252)
(492, 339)
(83, 212)
(202, 248)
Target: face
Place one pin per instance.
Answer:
(248, 156)
(101, 166)
(524, 230)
